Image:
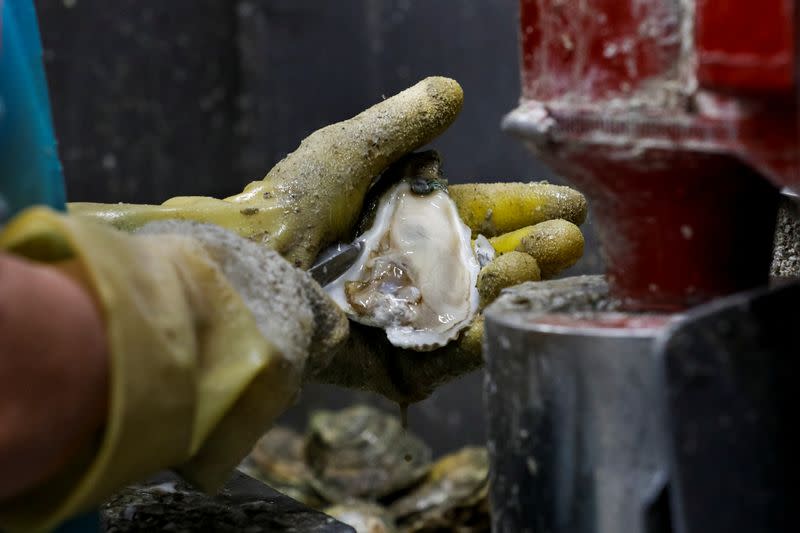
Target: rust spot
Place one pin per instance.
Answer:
(267, 195)
(247, 211)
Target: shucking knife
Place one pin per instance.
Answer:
(334, 261)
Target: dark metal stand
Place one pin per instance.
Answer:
(577, 432)
(730, 368)
(607, 422)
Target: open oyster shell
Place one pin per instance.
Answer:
(417, 272)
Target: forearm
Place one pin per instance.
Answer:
(53, 372)
(192, 379)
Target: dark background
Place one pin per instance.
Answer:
(155, 98)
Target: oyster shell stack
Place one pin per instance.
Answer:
(360, 466)
(454, 496)
(417, 273)
(363, 453)
(277, 460)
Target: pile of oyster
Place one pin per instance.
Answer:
(362, 467)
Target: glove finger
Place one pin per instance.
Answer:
(251, 222)
(555, 244)
(492, 209)
(506, 270)
(314, 196)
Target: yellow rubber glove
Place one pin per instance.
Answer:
(210, 333)
(193, 379)
(313, 197)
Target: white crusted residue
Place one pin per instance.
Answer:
(638, 119)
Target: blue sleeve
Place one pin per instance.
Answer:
(30, 171)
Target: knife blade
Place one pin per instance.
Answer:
(335, 261)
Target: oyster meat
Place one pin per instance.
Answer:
(417, 272)
(362, 453)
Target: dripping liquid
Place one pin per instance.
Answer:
(404, 422)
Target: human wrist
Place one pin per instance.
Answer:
(53, 373)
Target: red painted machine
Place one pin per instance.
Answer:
(670, 115)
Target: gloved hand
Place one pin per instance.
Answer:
(203, 352)
(529, 231)
(211, 335)
(208, 332)
(314, 197)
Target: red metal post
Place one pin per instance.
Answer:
(669, 115)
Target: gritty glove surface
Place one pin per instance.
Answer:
(289, 307)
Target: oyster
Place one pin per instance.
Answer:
(277, 460)
(454, 497)
(362, 453)
(417, 272)
(363, 517)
